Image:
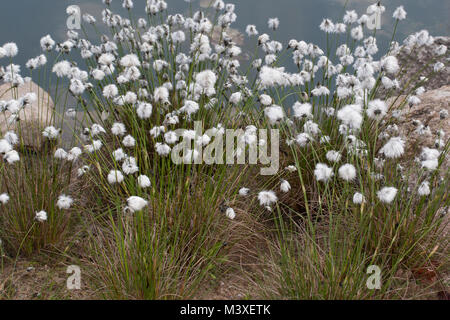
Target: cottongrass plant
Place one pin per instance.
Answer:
(346, 197)
(35, 212)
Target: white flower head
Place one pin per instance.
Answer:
(285, 186)
(118, 129)
(274, 113)
(10, 49)
(162, 149)
(302, 110)
(273, 23)
(51, 133)
(41, 216)
(424, 189)
(333, 156)
(358, 198)
(110, 91)
(266, 198)
(323, 172)
(347, 172)
(399, 13)
(230, 213)
(394, 148)
(115, 176)
(350, 115)
(206, 79)
(265, 100)
(390, 64)
(144, 181)
(129, 141)
(4, 198)
(377, 109)
(387, 194)
(64, 202)
(130, 60)
(136, 203)
(243, 191)
(11, 156)
(327, 26)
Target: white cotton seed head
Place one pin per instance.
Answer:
(41, 216)
(387, 194)
(129, 141)
(273, 23)
(161, 94)
(4, 198)
(51, 133)
(285, 186)
(11, 137)
(129, 166)
(323, 172)
(350, 115)
(62, 68)
(377, 109)
(394, 148)
(302, 110)
(235, 98)
(266, 198)
(206, 79)
(144, 181)
(358, 198)
(244, 191)
(130, 60)
(291, 168)
(73, 154)
(11, 156)
(64, 202)
(230, 213)
(5, 146)
(60, 154)
(162, 149)
(333, 156)
(118, 129)
(274, 113)
(347, 172)
(10, 49)
(399, 13)
(390, 64)
(136, 203)
(115, 176)
(265, 100)
(110, 91)
(424, 189)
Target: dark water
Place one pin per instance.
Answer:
(26, 21)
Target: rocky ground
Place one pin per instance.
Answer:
(421, 61)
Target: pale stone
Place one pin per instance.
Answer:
(32, 119)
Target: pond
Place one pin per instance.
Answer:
(26, 21)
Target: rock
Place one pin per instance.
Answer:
(32, 119)
(428, 112)
(418, 59)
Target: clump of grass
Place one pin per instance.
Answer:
(34, 184)
(167, 250)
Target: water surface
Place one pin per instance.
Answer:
(26, 21)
